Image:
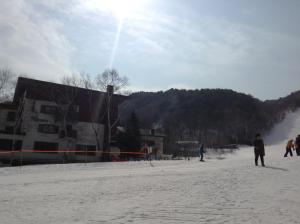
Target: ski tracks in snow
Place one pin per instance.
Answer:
(232, 190)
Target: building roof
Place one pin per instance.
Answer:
(8, 106)
(91, 103)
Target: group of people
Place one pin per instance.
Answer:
(259, 148)
(293, 145)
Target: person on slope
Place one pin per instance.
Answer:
(297, 145)
(145, 151)
(259, 149)
(289, 146)
(201, 152)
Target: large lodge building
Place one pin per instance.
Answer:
(49, 122)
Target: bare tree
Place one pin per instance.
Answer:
(111, 78)
(7, 84)
(66, 114)
(102, 82)
(84, 80)
(72, 80)
(110, 81)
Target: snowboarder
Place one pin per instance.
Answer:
(201, 152)
(289, 146)
(259, 149)
(297, 145)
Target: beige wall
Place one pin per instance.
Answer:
(32, 117)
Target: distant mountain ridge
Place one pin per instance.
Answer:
(214, 116)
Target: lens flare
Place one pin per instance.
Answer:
(120, 9)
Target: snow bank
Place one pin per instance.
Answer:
(289, 128)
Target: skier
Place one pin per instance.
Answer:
(259, 149)
(289, 146)
(297, 145)
(201, 152)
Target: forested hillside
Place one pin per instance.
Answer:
(216, 117)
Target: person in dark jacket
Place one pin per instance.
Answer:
(259, 149)
(288, 149)
(297, 145)
(201, 152)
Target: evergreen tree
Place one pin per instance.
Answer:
(131, 139)
(133, 133)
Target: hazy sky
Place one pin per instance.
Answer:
(248, 46)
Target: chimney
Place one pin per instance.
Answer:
(110, 89)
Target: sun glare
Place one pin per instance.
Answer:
(119, 8)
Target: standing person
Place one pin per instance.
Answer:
(201, 152)
(259, 149)
(145, 151)
(289, 146)
(150, 153)
(297, 145)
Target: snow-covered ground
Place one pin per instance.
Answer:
(230, 190)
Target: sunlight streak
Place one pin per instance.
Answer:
(116, 43)
(122, 10)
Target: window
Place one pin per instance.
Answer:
(71, 133)
(46, 146)
(46, 109)
(69, 127)
(74, 134)
(74, 108)
(6, 144)
(33, 107)
(73, 113)
(11, 116)
(48, 128)
(62, 133)
(9, 129)
(89, 150)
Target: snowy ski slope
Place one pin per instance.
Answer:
(230, 190)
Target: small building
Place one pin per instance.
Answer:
(187, 148)
(152, 144)
(153, 141)
(49, 122)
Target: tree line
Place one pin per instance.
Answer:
(216, 117)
